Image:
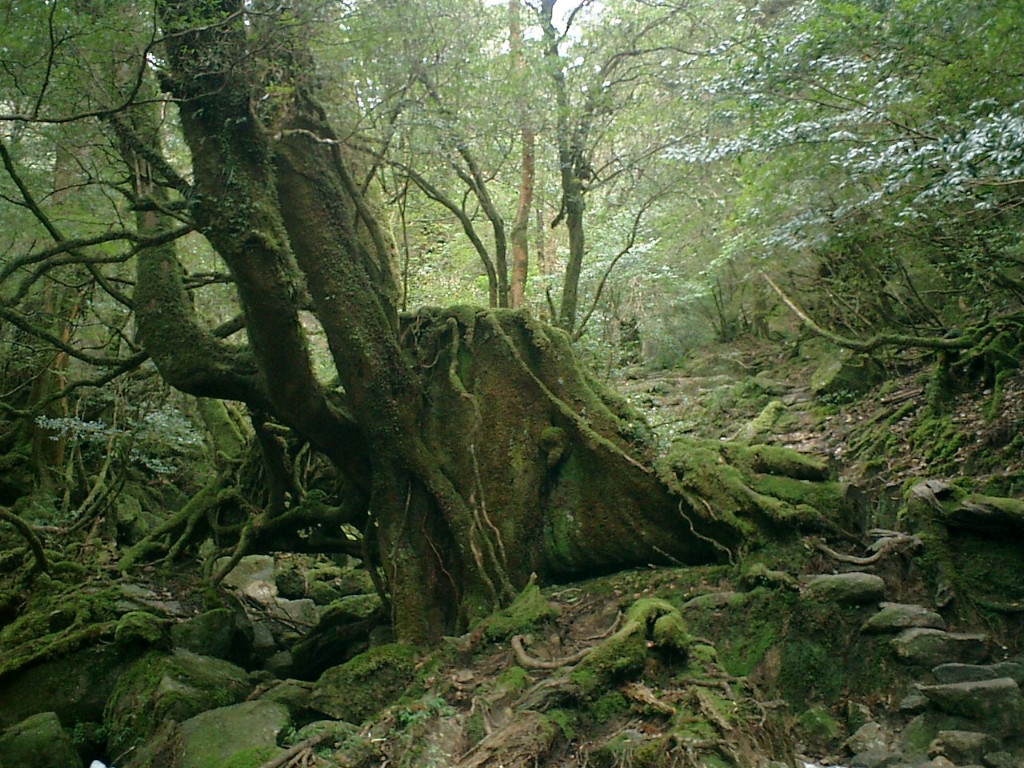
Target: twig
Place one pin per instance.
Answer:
(309, 743)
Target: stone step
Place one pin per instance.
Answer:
(895, 617)
(995, 704)
(965, 673)
(854, 588)
(931, 647)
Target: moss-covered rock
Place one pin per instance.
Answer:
(161, 687)
(239, 736)
(846, 373)
(366, 684)
(142, 628)
(818, 725)
(856, 588)
(75, 686)
(929, 647)
(221, 633)
(38, 742)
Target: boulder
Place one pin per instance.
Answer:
(964, 673)
(962, 747)
(362, 686)
(876, 758)
(241, 735)
(221, 633)
(75, 686)
(930, 647)
(870, 737)
(160, 687)
(996, 704)
(214, 736)
(895, 617)
(846, 373)
(38, 742)
(857, 588)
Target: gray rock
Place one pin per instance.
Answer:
(895, 617)
(38, 742)
(135, 597)
(293, 694)
(870, 737)
(221, 633)
(845, 372)
(922, 730)
(214, 736)
(855, 588)
(963, 673)
(997, 704)
(913, 703)
(961, 747)
(930, 647)
(253, 577)
(876, 758)
(857, 714)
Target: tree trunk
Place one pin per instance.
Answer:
(519, 235)
(571, 164)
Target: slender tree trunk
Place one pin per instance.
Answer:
(520, 232)
(570, 142)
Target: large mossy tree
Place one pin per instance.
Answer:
(475, 450)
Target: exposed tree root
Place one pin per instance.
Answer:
(42, 565)
(526, 661)
(889, 542)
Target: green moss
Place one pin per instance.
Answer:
(818, 725)
(367, 683)
(251, 758)
(141, 627)
(755, 631)
(515, 679)
(160, 687)
(527, 611)
(650, 623)
(654, 754)
(566, 721)
(608, 707)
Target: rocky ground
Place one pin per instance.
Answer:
(878, 646)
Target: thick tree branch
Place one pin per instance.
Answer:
(966, 341)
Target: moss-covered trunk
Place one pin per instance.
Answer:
(478, 447)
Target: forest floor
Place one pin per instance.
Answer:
(769, 678)
(879, 439)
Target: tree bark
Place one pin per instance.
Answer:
(571, 164)
(519, 235)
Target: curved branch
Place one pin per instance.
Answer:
(26, 531)
(966, 341)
